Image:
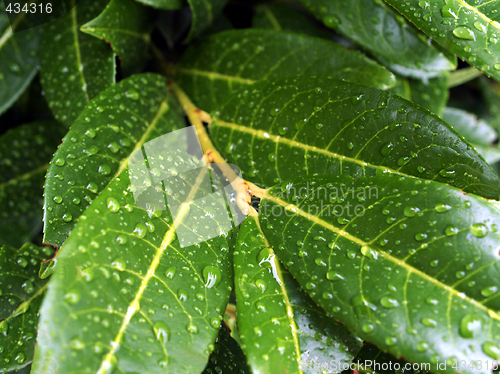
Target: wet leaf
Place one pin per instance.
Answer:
(20, 298)
(478, 132)
(308, 126)
(126, 25)
(25, 153)
(126, 286)
(203, 14)
(75, 66)
(281, 328)
(163, 4)
(387, 35)
(431, 94)
(468, 28)
(402, 283)
(253, 55)
(18, 59)
(95, 150)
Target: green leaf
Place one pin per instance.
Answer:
(278, 17)
(25, 152)
(20, 299)
(491, 93)
(219, 64)
(203, 13)
(227, 357)
(387, 36)
(280, 327)
(400, 281)
(126, 295)
(18, 59)
(283, 129)
(477, 132)
(431, 94)
(464, 27)
(126, 25)
(75, 66)
(95, 150)
(163, 4)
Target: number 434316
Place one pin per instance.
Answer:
(29, 8)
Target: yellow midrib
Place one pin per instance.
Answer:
(261, 134)
(386, 255)
(479, 14)
(134, 305)
(214, 75)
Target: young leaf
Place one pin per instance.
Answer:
(464, 27)
(25, 153)
(283, 129)
(75, 66)
(227, 357)
(203, 13)
(398, 282)
(22, 293)
(127, 296)
(431, 94)
(280, 327)
(477, 132)
(95, 150)
(278, 17)
(18, 59)
(219, 64)
(387, 36)
(126, 25)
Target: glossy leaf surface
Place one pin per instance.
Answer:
(75, 66)
(25, 153)
(127, 296)
(163, 4)
(398, 282)
(203, 14)
(281, 328)
(126, 25)
(476, 131)
(18, 59)
(378, 29)
(284, 129)
(468, 28)
(95, 150)
(221, 63)
(431, 94)
(20, 300)
(281, 18)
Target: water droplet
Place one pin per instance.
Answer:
(21, 309)
(57, 199)
(72, 297)
(480, 26)
(140, 230)
(411, 211)
(369, 252)
(451, 230)
(163, 363)
(386, 149)
(67, 217)
(470, 326)
(479, 230)
(391, 340)
(261, 285)
(92, 187)
(422, 347)
(28, 287)
(420, 236)
(192, 328)
(22, 262)
(113, 204)
(489, 291)
(4, 327)
(76, 344)
(367, 327)
(447, 173)
(90, 133)
(212, 276)
(182, 295)
(464, 32)
(389, 302)
(162, 332)
(119, 264)
(104, 169)
(497, 66)
(402, 161)
(132, 94)
(170, 273)
(320, 262)
(491, 350)
(215, 322)
(334, 276)
(429, 322)
(442, 208)
(59, 161)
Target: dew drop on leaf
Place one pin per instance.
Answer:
(479, 230)
(211, 276)
(162, 332)
(470, 326)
